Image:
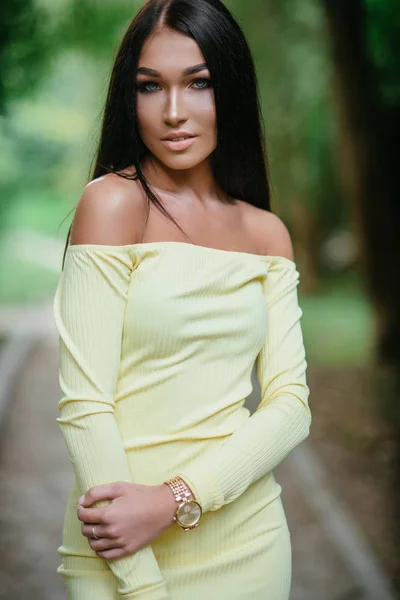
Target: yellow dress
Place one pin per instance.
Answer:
(157, 344)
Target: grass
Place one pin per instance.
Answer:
(338, 324)
(42, 211)
(23, 281)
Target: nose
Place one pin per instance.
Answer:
(175, 108)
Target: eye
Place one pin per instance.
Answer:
(203, 80)
(145, 87)
(149, 87)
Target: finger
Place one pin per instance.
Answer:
(100, 531)
(107, 491)
(92, 515)
(112, 554)
(103, 544)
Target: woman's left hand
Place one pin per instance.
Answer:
(136, 516)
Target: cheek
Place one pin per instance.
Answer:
(204, 115)
(204, 110)
(147, 113)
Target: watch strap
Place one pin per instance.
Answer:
(179, 488)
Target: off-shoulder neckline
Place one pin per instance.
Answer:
(167, 243)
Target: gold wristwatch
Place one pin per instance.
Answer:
(188, 512)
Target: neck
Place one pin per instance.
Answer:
(187, 185)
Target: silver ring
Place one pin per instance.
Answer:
(94, 534)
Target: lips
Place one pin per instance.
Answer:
(177, 143)
(175, 135)
(178, 139)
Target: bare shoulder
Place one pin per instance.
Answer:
(110, 211)
(269, 231)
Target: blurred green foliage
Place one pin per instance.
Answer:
(95, 28)
(383, 34)
(26, 46)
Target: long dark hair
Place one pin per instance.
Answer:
(239, 162)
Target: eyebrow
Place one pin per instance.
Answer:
(188, 71)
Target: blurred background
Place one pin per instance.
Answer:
(329, 76)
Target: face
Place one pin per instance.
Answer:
(170, 99)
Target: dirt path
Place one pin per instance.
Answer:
(34, 478)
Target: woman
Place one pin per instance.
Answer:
(174, 494)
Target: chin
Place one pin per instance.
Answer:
(180, 163)
(183, 161)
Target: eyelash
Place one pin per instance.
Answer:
(143, 89)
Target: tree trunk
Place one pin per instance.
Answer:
(371, 185)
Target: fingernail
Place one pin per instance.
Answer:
(81, 499)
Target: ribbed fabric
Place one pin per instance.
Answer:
(157, 345)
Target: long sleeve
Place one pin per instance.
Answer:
(89, 312)
(282, 419)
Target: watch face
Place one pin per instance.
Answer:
(188, 513)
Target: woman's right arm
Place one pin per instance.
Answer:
(89, 310)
